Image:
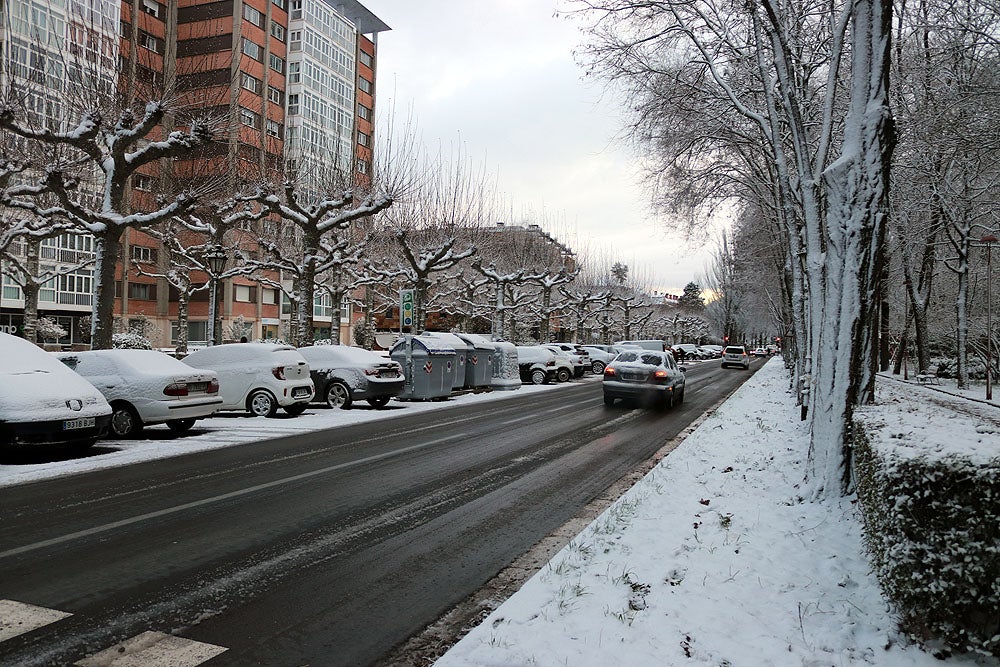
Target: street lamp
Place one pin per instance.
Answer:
(989, 240)
(216, 260)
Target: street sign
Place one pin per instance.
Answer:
(406, 307)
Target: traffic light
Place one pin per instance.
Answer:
(725, 339)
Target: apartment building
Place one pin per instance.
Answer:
(295, 80)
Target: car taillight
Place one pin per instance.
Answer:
(610, 371)
(661, 375)
(550, 363)
(176, 389)
(278, 372)
(213, 387)
(371, 371)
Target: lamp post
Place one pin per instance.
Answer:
(216, 260)
(989, 240)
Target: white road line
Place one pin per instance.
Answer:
(16, 618)
(224, 496)
(153, 649)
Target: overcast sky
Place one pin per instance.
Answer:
(497, 77)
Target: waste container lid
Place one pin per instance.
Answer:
(447, 339)
(478, 341)
(428, 344)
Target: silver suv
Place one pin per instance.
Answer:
(735, 355)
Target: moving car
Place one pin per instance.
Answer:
(146, 387)
(344, 374)
(652, 378)
(258, 377)
(536, 364)
(735, 355)
(44, 403)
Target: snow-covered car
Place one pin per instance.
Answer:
(652, 378)
(577, 366)
(600, 356)
(344, 374)
(654, 344)
(572, 349)
(258, 377)
(735, 355)
(686, 352)
(710, 351)
(536, 364)
(44, 403)
(146, 387)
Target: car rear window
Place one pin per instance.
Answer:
(627, 356)
(735, 350)
(652, 359)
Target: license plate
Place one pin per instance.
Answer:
(300, 391)
(197, 386)
(82, 422)
(388, 374)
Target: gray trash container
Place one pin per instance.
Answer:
(429, 367)
(506, 374)
(479, 367)
(463, 351)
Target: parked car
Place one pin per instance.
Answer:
(710, 351)
(258, 377)
(653, 378)
(536, 364)
(686, 352)
(600, 356)
(343, 375)
(577, 367)
(146, 387)
(44, 403)
(735, 355)
(578, 350)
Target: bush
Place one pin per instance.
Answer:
(130, 341)
(932, 528)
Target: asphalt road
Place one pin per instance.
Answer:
(328, 548)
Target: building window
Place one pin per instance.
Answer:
(144, 254)
(363, 166)
(295, 72)
(364, 139)
(364, 112)
(273, 128)
(249, 118)
(280, 4)
(296, 12)
(251, 49)
(245, 293)
(275, 95)
(293, 105)
(197, 331)
(142, 182)
(252, 15)
(269, 295)
(295, 40)
(366, 59)
(278, 31)
(251, 83)
(365, 85)
(149, 42)
(142, 291)
(277, 64)
(152, 8)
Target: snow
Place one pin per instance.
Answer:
(713, 558)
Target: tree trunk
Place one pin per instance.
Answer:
(30, 290)
(183, 296)
(102, 321)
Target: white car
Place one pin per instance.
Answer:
(536, 364)
(146, 387)
(600, 356)
(735, 355)
(579, 366)
(258, 377)
(44, 403)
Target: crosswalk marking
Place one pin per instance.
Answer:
(153, 649)
(16, 618)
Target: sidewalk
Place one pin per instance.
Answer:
(712, 559)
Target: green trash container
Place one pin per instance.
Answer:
(479, 362)
(428, 365)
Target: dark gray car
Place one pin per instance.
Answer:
(344, 374)
(651, 378)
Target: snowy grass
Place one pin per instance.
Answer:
(711, 559)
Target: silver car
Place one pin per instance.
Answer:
(652, 378)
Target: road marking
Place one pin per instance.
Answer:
(153, 649)
(16, 618)
(224, 496)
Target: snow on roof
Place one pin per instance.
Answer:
(151, 362)
(450, 339)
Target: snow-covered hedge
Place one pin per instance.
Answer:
(130, 341)
(932, 527)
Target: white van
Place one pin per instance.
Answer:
(44, 403)
(655, 345)
(259, 377)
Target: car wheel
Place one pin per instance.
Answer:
(563, 375)
(262, 404)
(538, 376)
(338, 395)
(295, 409)
(598, 367)
(125, 422)
(180, 425)
(680, 397)
(667, 401)
(379, 401)
(609, 400)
